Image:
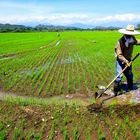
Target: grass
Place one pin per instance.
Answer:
(58, 100)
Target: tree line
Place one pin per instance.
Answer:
(41, 28)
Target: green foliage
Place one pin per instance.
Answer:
(100, 134)
(3, 134)
(75, 133)
(16, 134)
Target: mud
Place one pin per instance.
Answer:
(95, 107)
(104, 102)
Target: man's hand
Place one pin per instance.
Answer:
(126, 62)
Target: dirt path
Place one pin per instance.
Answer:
(80, 99)
(62, 99)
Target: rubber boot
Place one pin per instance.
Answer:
(130, 84)
(117, 88)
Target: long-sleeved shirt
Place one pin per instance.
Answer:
(124, 53)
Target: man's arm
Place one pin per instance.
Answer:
(119, 53)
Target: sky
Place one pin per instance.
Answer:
(67, 12)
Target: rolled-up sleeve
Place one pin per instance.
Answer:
(119, 53)
(138, 42)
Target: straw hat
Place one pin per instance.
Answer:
(129, 30)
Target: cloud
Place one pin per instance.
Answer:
(63, 19)
(26, 12)
(121, 17)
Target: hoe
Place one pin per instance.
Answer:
(99, 94)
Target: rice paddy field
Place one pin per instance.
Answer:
(43, 66)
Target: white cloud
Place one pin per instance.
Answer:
(18, 13)
(69, 18)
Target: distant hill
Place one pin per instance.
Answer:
(14, 28)
(40, 27)
(43, 27)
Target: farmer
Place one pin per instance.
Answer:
(123, 51)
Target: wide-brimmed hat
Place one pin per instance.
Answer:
(129, 30)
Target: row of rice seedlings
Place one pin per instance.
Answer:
(40, 132)
(47, 62)
(14, 129)
(35, 70)
(41, 61)
(84, 77)
(48, 52)
(97, 76)
(56, 83)
(68, 80)
(82, 68)
(107, 76)
(71, 73)
(108, 65)
(44, 76)
(92, 72)
(104, 125)
(74, 80)
(89, 73)
(52, 74)
(25, 78)
(78, 76)
(58, 64)
(117, 126)
(37, 78)
(62, 79)
(2, 131)
(13, 77)
(19, 76)
(102, 71)
(75, 133)
(50, 66)
(123, 126)
(85, 127)
(100, 134)
(17, 134)
(42, 70)
(64, 128)
(52, 130)
(134, 126)
(20, 62)
(6, 70)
